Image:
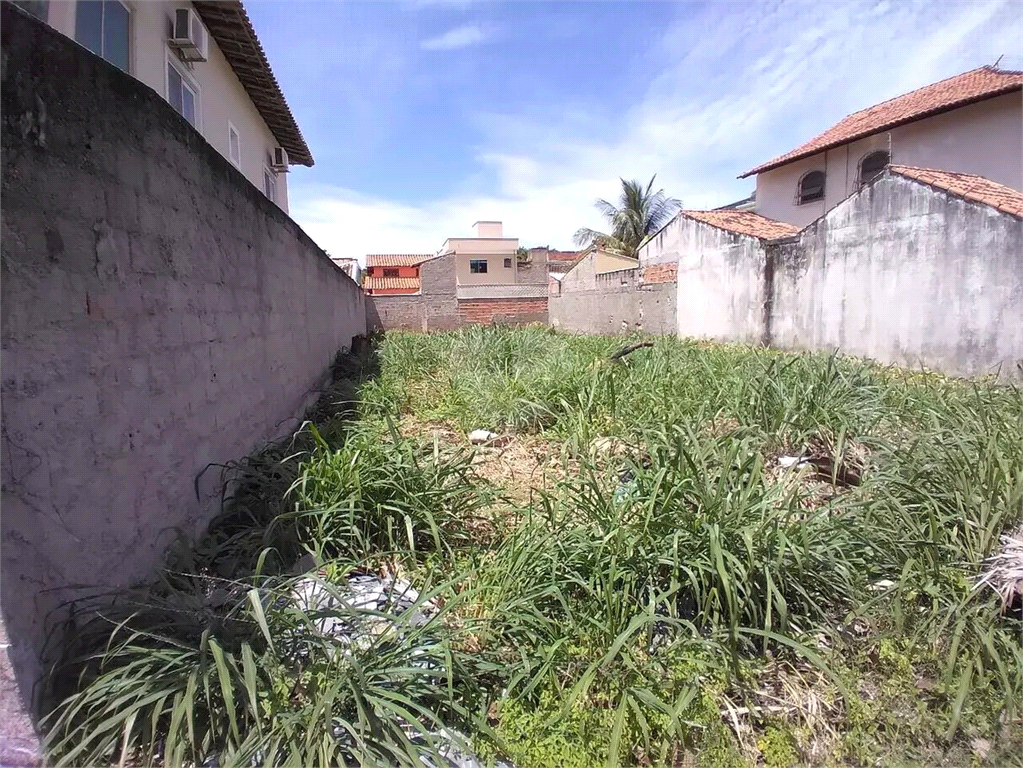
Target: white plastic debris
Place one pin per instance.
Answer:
(791, 461)
(480, 436)
(881, 586)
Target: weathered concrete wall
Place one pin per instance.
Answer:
(720, 281)
(618, 303)
(906, 274)
(158, 314)
(899, 272)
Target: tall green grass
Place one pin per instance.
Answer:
(633, 601)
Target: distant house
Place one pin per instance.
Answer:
(969, 123)
(393, 274)
(350, 267)
(205, 59)
(487, 258)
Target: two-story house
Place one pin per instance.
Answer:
(204, 58)
(970, 123)
(488, 258)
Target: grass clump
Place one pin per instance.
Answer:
(748, 557)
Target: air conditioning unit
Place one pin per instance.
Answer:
(189, 36)
(280, 160)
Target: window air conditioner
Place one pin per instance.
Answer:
(280, 160)
(189, 35)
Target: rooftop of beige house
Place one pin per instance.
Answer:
(390, 283)
(229, 24)
(943, 96)
(967, 186)
(744, 223)
(397, 259)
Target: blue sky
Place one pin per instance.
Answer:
(427, 115)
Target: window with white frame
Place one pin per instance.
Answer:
(104, 27)
(234, 145)
(182, 95)
(270, 184)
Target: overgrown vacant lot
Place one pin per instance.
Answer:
(693, 555)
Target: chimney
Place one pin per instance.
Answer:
(488, 229)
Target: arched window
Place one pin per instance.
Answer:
(872, 165)
(811, 187)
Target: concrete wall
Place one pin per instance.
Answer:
(158, 314)
(985, 138)
(617, 303)
(899, 272)
(721, 290)
(222, 98)
(905, 274)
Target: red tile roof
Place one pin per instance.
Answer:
(230, 26)
(958, 91)
(967, 186)
(397, 259)
(744, 223)
(390, 283)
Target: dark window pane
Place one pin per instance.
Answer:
(811, 187)
(872, 165)
(89, 25)
(115, 34)
(174, 89)
(188, 104)
(478, 266)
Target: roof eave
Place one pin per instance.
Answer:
(771, 165)
(248, 61)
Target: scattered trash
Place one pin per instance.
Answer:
(340, 606)
(792, 461)
(1004, 570)
(480, 436)
(881, 586)
(627, 488)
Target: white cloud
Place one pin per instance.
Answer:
(735, 89)
(459, 37)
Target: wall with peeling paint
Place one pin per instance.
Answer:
(159, 314)
(903, 273)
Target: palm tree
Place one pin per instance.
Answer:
(639, 214)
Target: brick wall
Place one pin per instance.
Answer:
(505, 311)
(660, 273)
(159, 314)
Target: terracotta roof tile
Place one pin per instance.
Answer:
(958, 91)
(397, 259)
(390, 283)
(744, 223)
(968, 186)
(230, 26)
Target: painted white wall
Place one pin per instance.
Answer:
(222, 97)
(905, 274)
(984, 138)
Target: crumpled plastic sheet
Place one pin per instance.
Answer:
(384, 595)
